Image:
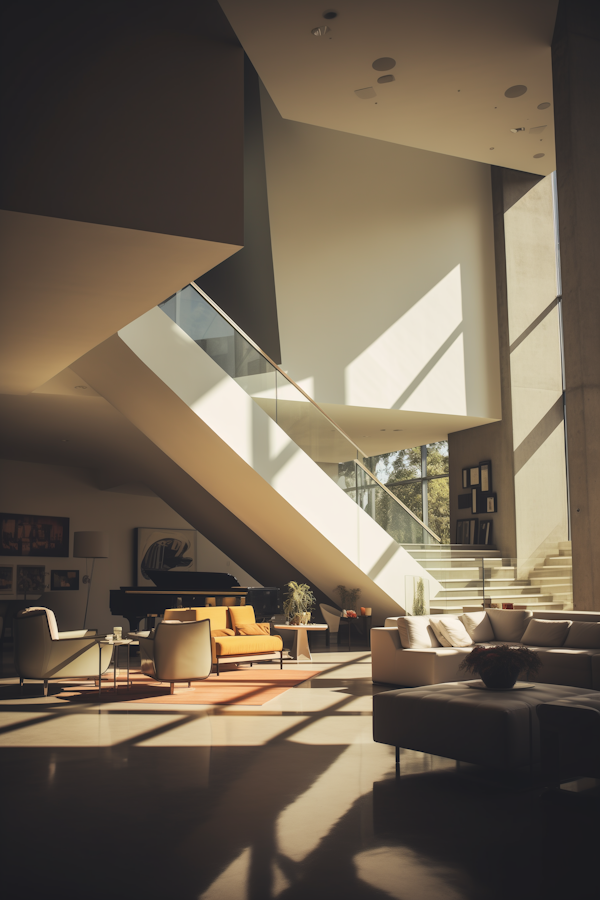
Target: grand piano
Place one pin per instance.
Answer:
(172, 589)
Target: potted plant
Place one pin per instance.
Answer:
(499, 667)
(348, 599)
(298, 603)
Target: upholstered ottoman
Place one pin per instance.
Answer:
(498, 729)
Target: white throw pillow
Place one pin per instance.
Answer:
(479, 626)
(546, 632)
(584, 636)
(456, 633)
(440, 635)
(416, 633)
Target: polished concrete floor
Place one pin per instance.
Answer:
(290, 800)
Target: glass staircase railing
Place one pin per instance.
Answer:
(308, 426)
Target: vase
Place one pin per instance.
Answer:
(305, 618)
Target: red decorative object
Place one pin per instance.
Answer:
(350, 614)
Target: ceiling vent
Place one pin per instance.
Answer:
(366, 93)
(517, 90)
(384, 63)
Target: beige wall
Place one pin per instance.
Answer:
(535, 371)
(62, 491)
(384, 271)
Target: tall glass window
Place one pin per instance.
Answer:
(418, 476)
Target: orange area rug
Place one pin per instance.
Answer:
(245, 687)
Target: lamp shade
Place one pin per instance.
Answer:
(90, 544)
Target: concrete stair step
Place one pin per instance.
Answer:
(556, 561)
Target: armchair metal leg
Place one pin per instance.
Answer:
(45, 687)
(21, 683)
(172, 687)
(218, 673)
(397, 762)
(281, 659)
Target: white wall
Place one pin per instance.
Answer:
(61, 491)
(384, 271)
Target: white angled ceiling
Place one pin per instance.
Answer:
(454, 61)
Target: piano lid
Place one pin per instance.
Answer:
(172, 580)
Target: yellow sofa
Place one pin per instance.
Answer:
(235, 634)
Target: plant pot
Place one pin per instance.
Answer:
(305, 618)
(501, 678)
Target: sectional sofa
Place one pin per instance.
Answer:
(413, 651)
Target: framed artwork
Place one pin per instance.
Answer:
(491, 504)
(465, 478)
(64, 580)
(485, 532)
(6, 579)
(485, 476)
(464, 501)
(473, 475)
(473, 531)
(462, 531)
(474, 500)
(31, 579)
(22, 535)
(164, 549)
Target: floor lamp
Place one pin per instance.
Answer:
(89, 545)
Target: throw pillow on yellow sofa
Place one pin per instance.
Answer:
(254, 628)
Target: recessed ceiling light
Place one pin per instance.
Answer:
(365, 93)
(543, 105)
(538, 155)
(517, 90)
(330, 14)
(320, 31)
(385, 79)
(384, 63)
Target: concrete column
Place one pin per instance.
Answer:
(576, 75)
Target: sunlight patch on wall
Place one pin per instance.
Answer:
(418, 362)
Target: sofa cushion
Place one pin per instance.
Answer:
(241, 615)
(509, 624)
(255, 628)
(240, 646)
(478, 626)
(222, 632)
(546, 632)
(456, 632)
(442, 637)
(416, 633)
(584, 635)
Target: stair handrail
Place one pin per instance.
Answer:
(357, 462)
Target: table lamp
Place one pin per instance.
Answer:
(89, 545)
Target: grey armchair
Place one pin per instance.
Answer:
(177, 651)
(42, 653)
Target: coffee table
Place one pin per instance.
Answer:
(498, 729)
(300, 649)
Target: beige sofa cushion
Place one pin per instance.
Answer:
(440, 635)
(416, 633)
(584, 636)
(456, 633)
(479, 626)
(509, 624)
(546, 632)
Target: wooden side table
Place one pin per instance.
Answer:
(300, 650)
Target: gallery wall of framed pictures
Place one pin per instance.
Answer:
(480, 500)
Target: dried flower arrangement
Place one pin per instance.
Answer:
(500, 666)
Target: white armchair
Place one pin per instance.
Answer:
(177, 651)
(42, 653)
(332, 618)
